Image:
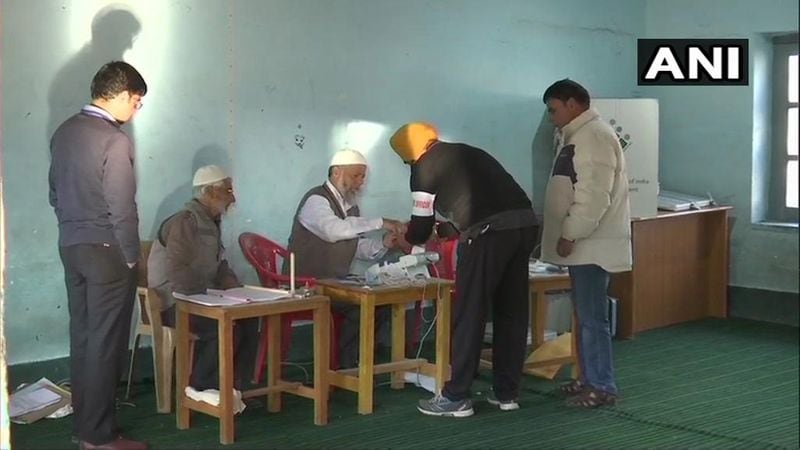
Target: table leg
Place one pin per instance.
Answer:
(537, 327)
(443, 303)
(398, 342)
(226, 432)
(182, 357)
(322, 352)
(366, 365)
(273, 361)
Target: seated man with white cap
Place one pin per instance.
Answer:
(328, 234)
(188, 257)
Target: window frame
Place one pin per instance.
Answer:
(783, 47)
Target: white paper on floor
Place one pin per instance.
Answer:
(423, 381)
(211, 396)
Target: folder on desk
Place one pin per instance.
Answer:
(676, 201)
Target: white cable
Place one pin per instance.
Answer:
(417, 383)
(300, 365)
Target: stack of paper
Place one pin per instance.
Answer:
(31, 398)
(539, 267)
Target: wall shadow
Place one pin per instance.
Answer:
(174, 201)
(114, 30)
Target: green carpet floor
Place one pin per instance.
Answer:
(708, 384)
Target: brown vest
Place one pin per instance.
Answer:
(314, 257)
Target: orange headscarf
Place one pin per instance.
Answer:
(412, 140)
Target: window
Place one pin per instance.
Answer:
(784, 189)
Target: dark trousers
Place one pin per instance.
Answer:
(492, 271)
(205, 368)
(100, 292)
(349, 330)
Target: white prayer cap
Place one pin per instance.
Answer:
(348, 157)
(207, 175)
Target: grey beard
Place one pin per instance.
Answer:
(352, 198)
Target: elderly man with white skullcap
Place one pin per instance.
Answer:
(188, 257)
(328, 235)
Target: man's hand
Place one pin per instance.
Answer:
(390, 240)
(392, 226)
(564, 247)
(402, 243)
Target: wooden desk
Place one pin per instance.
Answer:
(275, 385)
(361, 379)
(680, 270)
(540, 285)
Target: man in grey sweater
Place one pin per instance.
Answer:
(93, 190)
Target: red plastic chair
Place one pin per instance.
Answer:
(263, 255)
(446, 266)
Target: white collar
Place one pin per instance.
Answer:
(578, 122)
(339, 198)
(96, 110)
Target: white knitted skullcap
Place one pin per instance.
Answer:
(207, 175)
(348, 157)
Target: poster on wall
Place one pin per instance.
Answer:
(635, 120)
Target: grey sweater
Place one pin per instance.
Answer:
(188, 255)
(92, 184)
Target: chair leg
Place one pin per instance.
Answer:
(158, 370)
(165, 371)
(419, 311)
(286, 341)
(191, 355)
(261, 354)
(131, 365)
(337, 325)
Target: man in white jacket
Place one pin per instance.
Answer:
(587, 228)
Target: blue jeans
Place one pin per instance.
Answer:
(589, 286)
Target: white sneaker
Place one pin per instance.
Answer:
(504, 405)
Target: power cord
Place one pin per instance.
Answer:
(417, 382)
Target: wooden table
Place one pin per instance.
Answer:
(225, 316)
(361, 379)
(540, 285)
(680, 270)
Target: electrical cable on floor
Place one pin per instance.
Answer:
(307, 381)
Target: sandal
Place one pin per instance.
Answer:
(592, 398)
(574, 387)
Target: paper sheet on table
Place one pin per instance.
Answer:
(250, 293)
(207, 300)
(557, 348)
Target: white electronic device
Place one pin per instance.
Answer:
(676, 201)
(409, 269)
